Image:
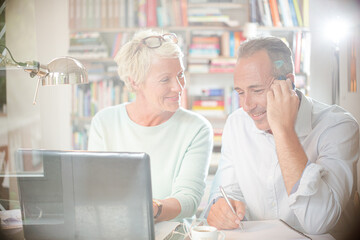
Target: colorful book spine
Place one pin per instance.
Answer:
(275, 13)
(268, 17)
(298, 13)
(184, 13)
(151, 13)
(305, 13)
(232, 44)
(142, 13)
(293, 13)
(297, 61)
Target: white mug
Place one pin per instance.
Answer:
(206, 233)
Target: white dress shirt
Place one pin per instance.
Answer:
(249, 169)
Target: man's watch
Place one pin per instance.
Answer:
(159, 206)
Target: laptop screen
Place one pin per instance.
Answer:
(86, 195)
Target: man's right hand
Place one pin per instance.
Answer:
(221, 216)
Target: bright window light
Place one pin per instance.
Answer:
(337, 29)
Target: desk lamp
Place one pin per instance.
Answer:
(61, 70)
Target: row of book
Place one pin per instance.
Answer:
(87, 14)
(80, 137)
(92, 97)
(87, 45)
(210, 16)
(210, 44)
(280, 13)
(301, 50)
(214, 65)
(214, 51)
(215, 102)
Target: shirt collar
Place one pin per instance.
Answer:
(303, 125)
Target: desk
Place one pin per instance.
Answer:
(235, 235)
(15, 232)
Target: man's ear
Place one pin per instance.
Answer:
(291, 76)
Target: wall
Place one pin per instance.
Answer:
(37, 30)
(322, 54)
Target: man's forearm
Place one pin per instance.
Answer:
(291, 156)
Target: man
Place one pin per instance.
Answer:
(284, 155)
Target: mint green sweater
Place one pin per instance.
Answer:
(179, 151)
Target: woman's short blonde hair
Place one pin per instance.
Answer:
(134, 58)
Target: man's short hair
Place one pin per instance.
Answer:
(279, 53)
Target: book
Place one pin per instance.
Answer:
(104, 13)
(131, 14)
(176, 12)
(275, 13)
(268, 17)
(116, 44)
(285, 10)
(305, 12)
(72, 10)
(297, 52)
(293, 13)
(208, 103)
(184, 13)
(297, 12)
(151, 13)
(232, 44)
(253, 9)
(141, 13)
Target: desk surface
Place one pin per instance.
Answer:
(162, 229)
(235, 235)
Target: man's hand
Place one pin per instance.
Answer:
(282, 106)
(221, 216)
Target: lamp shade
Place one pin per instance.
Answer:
(65, 70)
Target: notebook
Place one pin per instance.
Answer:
(266, 229)
(86, 195)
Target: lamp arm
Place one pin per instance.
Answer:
(34, 68)
(12, 58)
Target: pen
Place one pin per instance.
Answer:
(228, 202)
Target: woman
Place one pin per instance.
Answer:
(178, 141)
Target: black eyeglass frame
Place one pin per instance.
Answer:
(162, 38)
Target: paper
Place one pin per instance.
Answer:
(268, 229)
(163, 229)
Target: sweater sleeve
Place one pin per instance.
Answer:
(190, 183)
(96, 142)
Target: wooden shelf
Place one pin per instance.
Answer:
(172, 28)
(101, 60)
(283, 29)
(220, 5)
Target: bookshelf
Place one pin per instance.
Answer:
(209, 33)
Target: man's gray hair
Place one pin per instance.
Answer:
(134, 58)
(279, 53)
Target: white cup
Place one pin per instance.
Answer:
(206, 233)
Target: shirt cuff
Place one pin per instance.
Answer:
(206, 211)
(309, 183)
(296, 186)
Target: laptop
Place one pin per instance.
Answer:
(86, 195)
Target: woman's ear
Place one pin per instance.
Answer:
(134, 85)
